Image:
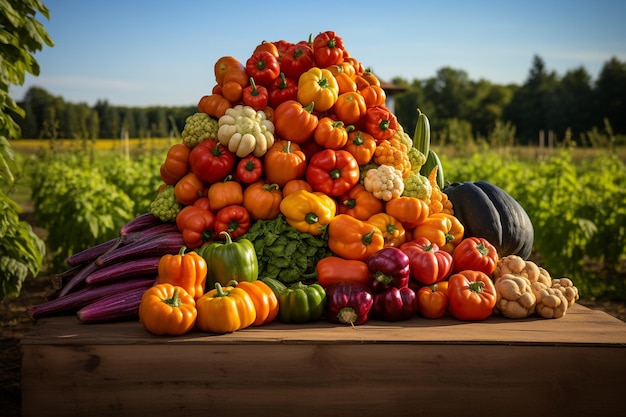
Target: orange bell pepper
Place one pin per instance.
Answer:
(189, 188)
(225, 310)
(284, 161)
(262, 200)
(359, 203)
(166, 309)
(434, 228)
(186, 270)
(225, 193)
(432, 301)
(331, 134)
(176, 163)
(351, 238)
(350, 107)
(394, 233)
(264, 299)
(410, 211)
(361, 145)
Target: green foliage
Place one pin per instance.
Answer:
(21, 251)
(84, 199)
(138, 178)
(21, 35)
(577, 212)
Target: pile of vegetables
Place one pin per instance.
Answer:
(295, 195)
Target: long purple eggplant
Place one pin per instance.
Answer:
(125, 269)
(141, 222)
(89, 254)
(166, 243)
(132, 235)
(117, 307)
(85, 296)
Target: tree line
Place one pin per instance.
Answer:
(570, 106)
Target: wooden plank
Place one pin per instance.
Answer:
(579, 326)
(571, 366)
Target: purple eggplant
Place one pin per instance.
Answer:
(389, 268)
(348, 303)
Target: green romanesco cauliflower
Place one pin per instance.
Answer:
(384, 182)
(416, 158)
(418, 186)
(165, 206)
(199, 127)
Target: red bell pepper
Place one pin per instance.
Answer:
(297, 60)
(249, 169)
(380, 122)
(328, 49)
(395, 304)
(282, 89)
(428, 264)
(196, 225)
(233, 219)
(475, 253)
(333, 172)
(348, 303)
(255, 96)
(211, 161)
(263, 66)
(389, 267)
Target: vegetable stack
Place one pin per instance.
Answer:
(294, 173)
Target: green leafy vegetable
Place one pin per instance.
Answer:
(285, 253)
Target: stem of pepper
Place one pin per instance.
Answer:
(347, 315)
(173, 301)
(311, 218)
(367, 238)
(476, 286)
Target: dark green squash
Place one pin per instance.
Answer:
(487, 211)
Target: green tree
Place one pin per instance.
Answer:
(448, 91)
(611, 95)
(532, 107)
(575, 97)
(21, 35)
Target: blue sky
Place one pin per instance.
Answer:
(142, 53)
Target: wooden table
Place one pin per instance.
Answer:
(572, 366)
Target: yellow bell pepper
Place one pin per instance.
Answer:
(318, 86)
(308, 212)
(225, 310)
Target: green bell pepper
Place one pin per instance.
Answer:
(301, 303)
(230, 261)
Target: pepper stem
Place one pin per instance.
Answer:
(347, 315)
